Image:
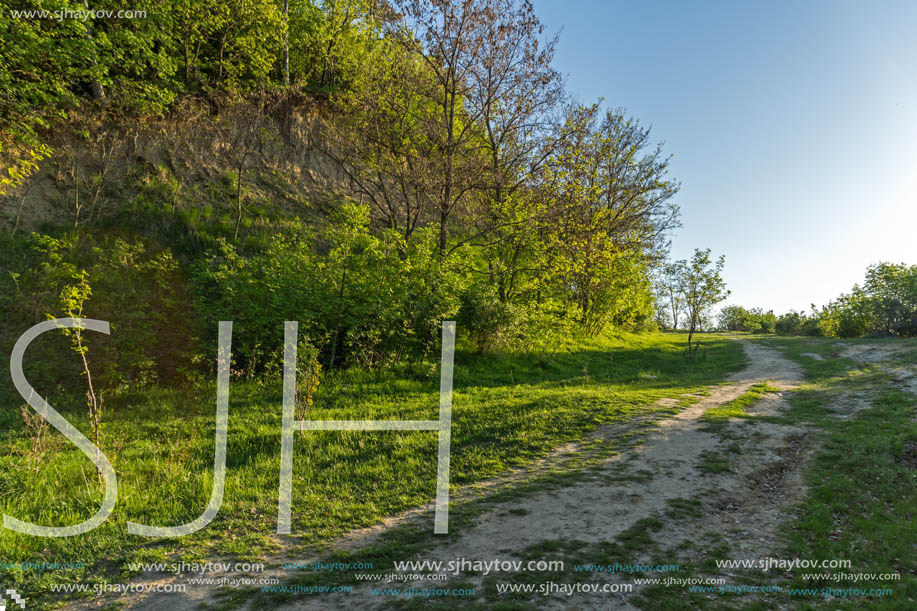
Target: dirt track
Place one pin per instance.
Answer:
(747, 509)
(745, 504)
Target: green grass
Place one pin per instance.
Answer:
(863, 485)
(713, 462)
(508, 411)
(862, 499)
(681, 509)
(736, 408)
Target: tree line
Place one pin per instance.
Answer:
(884, 305)
(480, 190)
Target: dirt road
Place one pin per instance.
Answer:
(675, 467)
(748, 505)
(744, 503)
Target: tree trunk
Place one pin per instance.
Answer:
(337, 330)
(98, 91)
(692, 327)
(442, 232)
(674, 310)
(19, 210)
(76, 190)
(239, 199)
(286, 44)
(187, 61)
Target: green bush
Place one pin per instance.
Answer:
(487, 322)
(133, 284)
(361, 299)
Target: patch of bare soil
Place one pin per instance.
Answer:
(846, 406)
(873, 353)
(878, 355)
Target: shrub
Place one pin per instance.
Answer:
(360, 299)
(133, 284)
(488, 322)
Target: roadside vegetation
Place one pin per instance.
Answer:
(862, 481)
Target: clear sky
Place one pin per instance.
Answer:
(793, 128)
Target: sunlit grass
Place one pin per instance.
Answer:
(736, 407)
(508, 411)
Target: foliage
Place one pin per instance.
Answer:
(448, 119)
(670, 304)
(891, 293)
(308, 376)
(358, 297)
(22, 162)
(755, 320)
(331, 41)
(885, 305)
(608, 204)
(701, 286)
(485, 319)
(132, 284)
(72, 299)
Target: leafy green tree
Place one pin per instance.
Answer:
(360, 298)
(72, 299)
(452, 39)
(332, 41)
(514, 90)
(382, 141)
(42, 62)
(791, 323)
(701, 285)
(138, 59)
(135, 285)
(609, 204)
(892, 292)
(733, 318)
(668, 300)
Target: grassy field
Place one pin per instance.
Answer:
(508, 411)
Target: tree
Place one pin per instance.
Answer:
(245, 132)
(669, 301)
(791, 323)
(331, 41)
(286, 43)
(453, 38)
(72, 299)
(701, 286)
(449, 120)
(514, 90)
(892, 292)
(609, 204)
(733, 318)
(382, 142)
(20, 165)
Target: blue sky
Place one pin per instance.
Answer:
(792, 126)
